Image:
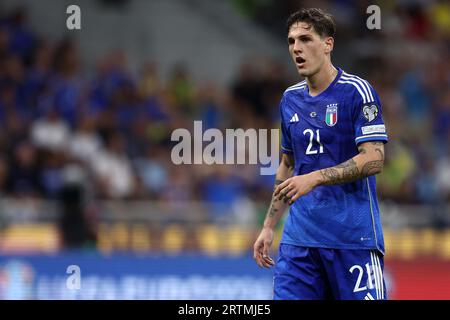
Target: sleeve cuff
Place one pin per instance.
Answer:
(371, 137)
(286, 150)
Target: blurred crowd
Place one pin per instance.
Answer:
(109, 129)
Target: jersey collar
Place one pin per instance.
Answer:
(325, 92)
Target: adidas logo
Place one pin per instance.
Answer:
(294, 118)
(368, 297)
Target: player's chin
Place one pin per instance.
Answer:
(303, 72)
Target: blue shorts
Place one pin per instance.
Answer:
(305, 273)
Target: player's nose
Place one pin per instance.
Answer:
(297, 46)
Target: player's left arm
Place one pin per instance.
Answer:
(367, 162)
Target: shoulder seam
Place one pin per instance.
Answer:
(363, 96)
(296, 86)
(364, 84)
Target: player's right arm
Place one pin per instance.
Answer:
(276, 210)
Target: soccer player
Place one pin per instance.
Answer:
(332, 142)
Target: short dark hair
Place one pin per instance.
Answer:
(321, 21)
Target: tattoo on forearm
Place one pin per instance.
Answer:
(380, 152)
(371, 167)
(330, 175)
(272, 209)
(350, 171)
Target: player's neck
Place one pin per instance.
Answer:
(318, 82)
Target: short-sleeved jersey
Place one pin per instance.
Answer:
(323, 131)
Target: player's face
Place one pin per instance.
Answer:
(307, 48)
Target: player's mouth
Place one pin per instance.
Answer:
(300, 61)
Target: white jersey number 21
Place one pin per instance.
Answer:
(310, 149)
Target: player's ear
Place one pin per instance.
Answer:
(329, 44)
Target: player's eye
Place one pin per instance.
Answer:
(291, 41)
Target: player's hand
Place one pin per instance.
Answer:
(295, 187)
(262, 247)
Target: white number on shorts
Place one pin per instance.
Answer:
(369, 270)
(358, 281)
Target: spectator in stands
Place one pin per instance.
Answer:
(221, 191)
(3, 176)
(51, 132)
(23, 178)
(153, 171)
(85, 143)
(65, 87)
(113, 169)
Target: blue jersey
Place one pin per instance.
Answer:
(321, 132)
